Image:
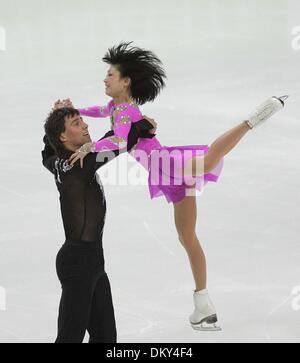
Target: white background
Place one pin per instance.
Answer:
(222, 59)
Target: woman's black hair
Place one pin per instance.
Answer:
(55, 126)
(143, 68)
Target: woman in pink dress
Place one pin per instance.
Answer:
(135, 77)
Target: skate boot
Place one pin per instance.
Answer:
(265, 110)
(204, 317)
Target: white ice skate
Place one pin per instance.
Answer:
(266, 110)
(204, 316)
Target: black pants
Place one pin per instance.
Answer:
(86, 301)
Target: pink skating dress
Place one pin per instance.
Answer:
(164, 163)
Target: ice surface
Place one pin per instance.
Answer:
(222, 59)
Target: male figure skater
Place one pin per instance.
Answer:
(86, 301)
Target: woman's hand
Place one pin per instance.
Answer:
(57, 105)
(62, 104)
(68, 103)
(82, 152)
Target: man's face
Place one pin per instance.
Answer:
(76, 132)
(114, 84)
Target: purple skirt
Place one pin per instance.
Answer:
(166, 175)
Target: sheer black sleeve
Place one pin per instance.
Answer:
(48, 155)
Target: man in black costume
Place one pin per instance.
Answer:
(86, 301)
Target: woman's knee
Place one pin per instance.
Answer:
(188, 239)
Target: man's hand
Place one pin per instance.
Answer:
(62, 104)
(152, 131)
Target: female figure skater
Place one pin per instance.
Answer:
(136, 76)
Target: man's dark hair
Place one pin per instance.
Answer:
(143, 68)
(55, 126)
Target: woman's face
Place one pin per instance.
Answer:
(115, 86)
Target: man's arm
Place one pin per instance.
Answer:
(140, 129)
(48, 155)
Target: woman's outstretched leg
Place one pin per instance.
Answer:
(222, 145)
(199, 165)
(225, 143)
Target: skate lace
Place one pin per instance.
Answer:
(266, 112)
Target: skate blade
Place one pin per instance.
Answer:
(206, 327)
(207, 324)
(283, 98)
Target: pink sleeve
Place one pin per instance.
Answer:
(96, 111)
(123, 122)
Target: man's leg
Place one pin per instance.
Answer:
(74, 310)
(102, 325)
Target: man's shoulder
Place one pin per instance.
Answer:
(63, 164)
(62, 168)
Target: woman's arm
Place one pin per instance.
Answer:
(93, 111)
(94, 161)
(118, 141)
(96, 111)
(115, 142)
